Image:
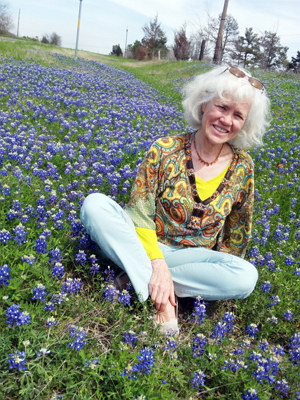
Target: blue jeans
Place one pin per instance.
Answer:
(196, 271)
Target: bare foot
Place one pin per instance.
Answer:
(167, 315)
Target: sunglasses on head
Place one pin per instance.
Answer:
(240, 74)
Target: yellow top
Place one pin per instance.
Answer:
(148, 236)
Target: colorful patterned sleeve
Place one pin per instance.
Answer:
(236, 233)
(142, 204)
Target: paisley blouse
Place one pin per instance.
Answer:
(165, 198)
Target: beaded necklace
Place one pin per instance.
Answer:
(202, 161)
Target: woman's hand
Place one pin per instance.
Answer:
(161, 285)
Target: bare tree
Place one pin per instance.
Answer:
(6, 22)
(230, 35)
(155, 38)
(182, 46)
(55, 39)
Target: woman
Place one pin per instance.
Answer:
(188, 222)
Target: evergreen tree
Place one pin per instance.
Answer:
(182, 46)
(294, 65)
(155, 38)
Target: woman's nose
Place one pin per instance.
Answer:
(226, 119)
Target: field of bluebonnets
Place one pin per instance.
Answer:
(69, 128)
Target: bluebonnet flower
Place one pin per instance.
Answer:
(229, 318)
(274, 300)
(295, 349)
(199, 310)
(51, 321)
(273, 320)
(49, 306)
(92, 364)
(41, 245)
(263, 345)
(16, 317)
(20, 233)
(140, 397)
(146, 362)
(199, 344)
(288, 315)
(266, 286)
(81, 257)
(4, 275)
(109, 274)
(267, 368)
(55, 256)
(42, 352)
(254, 356)
(17, 360)
(110, 293)
(58, 270)
(39, 292)
(124, 297)
(251, 394)
(130, 338)
(283, 387)
(95, 268)
(278, 350)
(289, 260)
(171, 347)
(252, 330)
(235, 365)
(29, 259)
(297, 271)
(198, 379)
(219, 331)
(71, 286)
(78, 335)
(5, 236)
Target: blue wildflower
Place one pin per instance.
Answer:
(58, 270)
(71, 286)
(20, 233)
(4, 275)
(251, 394)
(51, 321)
(199, 344)
(17, 360)
(5, 236)
(266, 286)
(39, 292)
(274, 300)
(78, 335)
(198, 379)
(124, 297)
(130, 338)
(252, 330)
(16, 317)
(199, 310)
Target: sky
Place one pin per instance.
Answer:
(105, 23)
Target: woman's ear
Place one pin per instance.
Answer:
(203, 107)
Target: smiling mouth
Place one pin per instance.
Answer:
(220, 129)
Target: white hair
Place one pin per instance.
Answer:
(220, 83)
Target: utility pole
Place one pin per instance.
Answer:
(18, 23)
(125, 43)
(216, 58)
(78, 26)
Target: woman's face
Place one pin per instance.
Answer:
(223, 119)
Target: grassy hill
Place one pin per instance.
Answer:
(72, 127)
